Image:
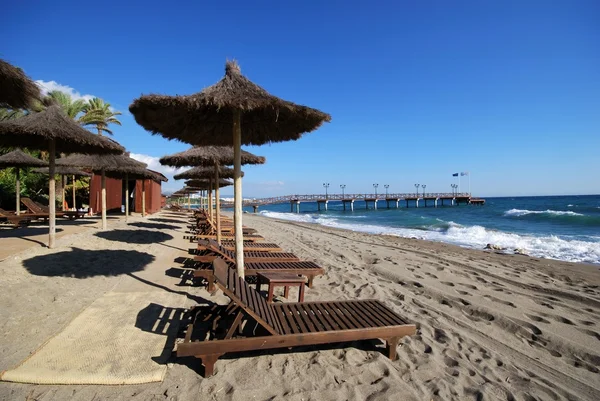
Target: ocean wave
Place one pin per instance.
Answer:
(519, 212)
(477, 237)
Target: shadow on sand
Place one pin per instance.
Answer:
(134, 236)
(80, 263)
(159, 220)
(25, 232)
(156, 226)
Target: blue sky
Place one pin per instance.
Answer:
(417, 90)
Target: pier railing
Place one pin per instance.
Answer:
(349, 197)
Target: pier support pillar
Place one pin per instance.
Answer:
(417, 202)
(387, 202)
(375, 203)
(298, 207)
(397, 204)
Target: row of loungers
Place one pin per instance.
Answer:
(35, 211)
(249, 322)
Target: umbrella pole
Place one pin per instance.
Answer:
(103, 179)
(52, 192)
(126, 196)
(18, 188)
(144, 197)
(217, 206)
(74, 201)
(62, 190)
(210, 200)
(189, 202)
(237, 188)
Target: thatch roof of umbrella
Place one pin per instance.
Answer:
(113, 165)
(36, 129)
(204, 183)
(17, 91)
(63, 170)
(159, 176)
(208, 156)
(205, 172)
(207, 116)
(18, 158)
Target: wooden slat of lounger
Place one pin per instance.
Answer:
(383, 316)
(288, 315)
(349, 314)
(332, 313)
(393, 315)
(374, 314)
(279, 313)
(304, 316)
(325, 319)
(298, 319)
(313, 317)
(359, 314)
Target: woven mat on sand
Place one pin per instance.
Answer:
(119, 339)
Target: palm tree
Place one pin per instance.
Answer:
(99, 114)
(71, 107)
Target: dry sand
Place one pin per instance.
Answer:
(490, 326)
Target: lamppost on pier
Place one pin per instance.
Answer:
(454, 189)
(375, 186)
(343, 186)
(326, 185)
(417, 186)
(386, 190)
(423, 189)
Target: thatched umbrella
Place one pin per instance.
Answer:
(53, 131)
(214, 156)
(19, 159)
(63, 171)
(216, 115)
(212, 174)
(116, 166)
(17, 91)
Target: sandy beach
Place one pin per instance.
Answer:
(490, 326)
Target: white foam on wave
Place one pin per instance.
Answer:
(519, 212)
(476, 237)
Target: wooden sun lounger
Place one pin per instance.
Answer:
(41, 211)
(13, 219)
(248, 245)
(284, 324)
(305, 268)
(214, 250)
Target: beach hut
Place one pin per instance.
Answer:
(148, 192)
(114, 166)
(207, 156)
(232, 112)
(17, 91)
(53, 131)
(19, 159)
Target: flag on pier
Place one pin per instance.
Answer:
(455, 175)
(464, 173)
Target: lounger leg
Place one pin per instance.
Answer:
(209, 363)
(286, 291)
(391, 345)
(310, 281)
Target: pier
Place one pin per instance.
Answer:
(370, 201)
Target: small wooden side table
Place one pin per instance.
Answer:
(287, 280)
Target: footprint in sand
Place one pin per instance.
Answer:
(448, 283)
(536, 318)
(586, 322)
(591, 333)
(470, 286)
(462, 292)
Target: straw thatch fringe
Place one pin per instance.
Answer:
(206, 118)
(17, 91)
(18, 158)
(63, 170)
(205, 172)
(35, 129)
(208, 156)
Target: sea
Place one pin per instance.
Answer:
(556, 227)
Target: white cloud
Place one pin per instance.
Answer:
(154, 164)
(271, 184)
(55, 86)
